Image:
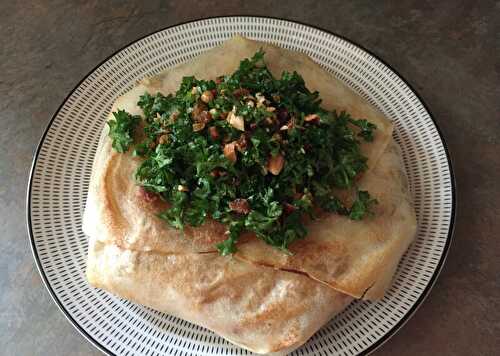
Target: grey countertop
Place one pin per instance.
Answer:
(448, 50)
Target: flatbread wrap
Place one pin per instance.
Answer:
(260, 298)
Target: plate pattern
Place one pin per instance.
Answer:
(63, 162)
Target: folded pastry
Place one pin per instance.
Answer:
(260, 298)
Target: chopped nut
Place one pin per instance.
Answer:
(207, 96)
(163, 139)
(236, 121)
(173, 116)
(230, 151)
(240, 206)
(198, 109)
(182, 188)
(238, 93)
(275, 164)
(198, 126)
(312, 118)
(214, 134)
(241, 144)
(204, 117)
(270, 109)
(250, 104)
(194, 90)
(261, 100)
(289, 125)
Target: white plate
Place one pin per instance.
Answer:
(63, 162)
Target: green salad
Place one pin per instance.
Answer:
(254, 152)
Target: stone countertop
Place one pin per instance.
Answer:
(448, 50)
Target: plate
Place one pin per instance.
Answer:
(63, 162)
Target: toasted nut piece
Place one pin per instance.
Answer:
(214, 134)
(173, 116)
(207, 96)
(242, 143)
(284, 128)
(275, 164)
(163, 139)
(240, 206)
(261, 99)
(236, 121)
(204, 117)
(194, 90)
(311, 118)
(269, 121)
(270, 109)
(238, 93)
(198, 108)
(182, 188)
(198, 126)
(230, 151)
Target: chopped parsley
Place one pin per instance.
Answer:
(121, 130)
(252, 151)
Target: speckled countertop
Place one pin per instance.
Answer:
(448, 50)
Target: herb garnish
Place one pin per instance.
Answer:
(252, 151)
(121, 130)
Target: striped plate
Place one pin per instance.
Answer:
(63, 162)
